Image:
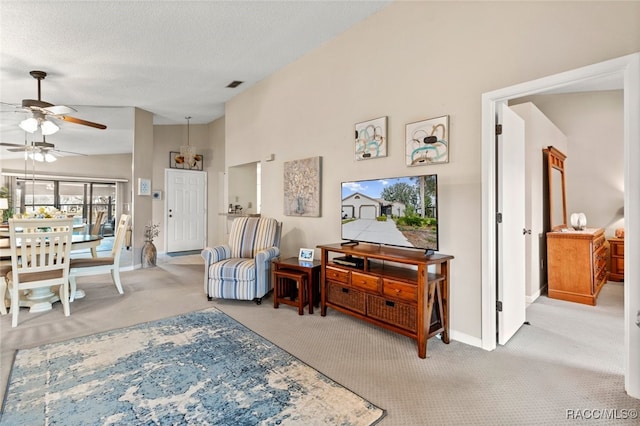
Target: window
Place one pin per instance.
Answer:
(83, 200)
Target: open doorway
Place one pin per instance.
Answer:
(624, 71)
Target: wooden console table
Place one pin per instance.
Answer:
(389, 287)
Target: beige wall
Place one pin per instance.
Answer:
(412, 61)
(540, 132)
(209, 141)
(142, 168)
(593, 123)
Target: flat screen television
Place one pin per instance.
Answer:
(397, 211)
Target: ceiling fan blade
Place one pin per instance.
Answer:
(24, 148)
(11, 144)
(61, 153)
(59, 110)
(81, 121)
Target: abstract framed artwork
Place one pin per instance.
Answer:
(427, 142)
(371, 139)
(302, 187)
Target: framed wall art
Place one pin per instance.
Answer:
(302, 187)
(178, 161)
(371, 139)
(144, 186)
(427, 142)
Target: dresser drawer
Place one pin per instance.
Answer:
(336, 274)
(598, 242)
(617, 250)
(400, 290)
(365, 282)
(346, 297)
(600, 258)
(400, 314)
(617, 265)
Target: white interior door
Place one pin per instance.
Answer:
(186, 210)
(511, 238)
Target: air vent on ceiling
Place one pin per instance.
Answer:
(234, 84)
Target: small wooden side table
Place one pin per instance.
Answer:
(312, 269)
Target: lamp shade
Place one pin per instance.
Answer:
(48, 128)
(4, 203)
(29, 125)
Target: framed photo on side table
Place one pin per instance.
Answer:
(306, 254)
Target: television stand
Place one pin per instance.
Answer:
(391, 289)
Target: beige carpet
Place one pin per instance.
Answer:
(569, 358)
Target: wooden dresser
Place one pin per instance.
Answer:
(576, 265)
(616, 259)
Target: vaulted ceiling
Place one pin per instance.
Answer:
(171, 58)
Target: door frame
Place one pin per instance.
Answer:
(627, 70)
(166, 204)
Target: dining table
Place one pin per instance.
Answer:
(41, 299)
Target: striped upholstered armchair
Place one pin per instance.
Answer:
(241, 269)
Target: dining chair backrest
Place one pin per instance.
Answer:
(121, 232)
(96, 225)
(39, 258)
(40, 246)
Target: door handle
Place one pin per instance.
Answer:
(526, 231)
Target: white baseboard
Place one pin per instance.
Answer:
(465, 338)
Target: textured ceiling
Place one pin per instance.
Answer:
(171, 58)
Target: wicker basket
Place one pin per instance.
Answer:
(346, 297)
(399, 314)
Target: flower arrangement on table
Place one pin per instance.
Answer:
(45, 213)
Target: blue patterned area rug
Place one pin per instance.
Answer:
(201, 368)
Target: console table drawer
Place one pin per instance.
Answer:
(400, 290)
(346, 297)
(364, 281)
(336, 274)
(399, 314)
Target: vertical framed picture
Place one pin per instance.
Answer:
(144, 186)
(371, 139)
(302, 184)
(427, 142)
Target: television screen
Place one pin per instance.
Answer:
(399, 211)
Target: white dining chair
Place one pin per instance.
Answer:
(101, 265)
(5, 267)
(39, 259)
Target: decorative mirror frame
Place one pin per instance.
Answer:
(555, 161)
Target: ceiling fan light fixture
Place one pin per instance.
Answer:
(29, 125)
(48, 128)
(37, 156)
(49, 158)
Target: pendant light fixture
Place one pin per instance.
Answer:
(187, 152)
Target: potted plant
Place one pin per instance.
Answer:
(149, 252)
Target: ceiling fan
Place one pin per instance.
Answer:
(39, 151)
(41, 111)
